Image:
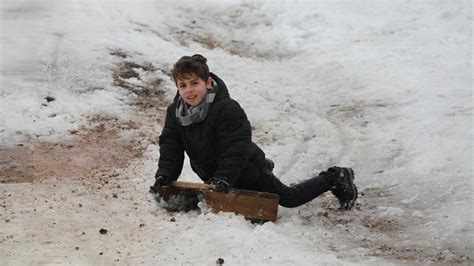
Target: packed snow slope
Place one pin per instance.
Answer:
(384, 87)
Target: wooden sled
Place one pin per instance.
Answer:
(258, 206)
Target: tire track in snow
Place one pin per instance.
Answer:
(354, 133)
(297, 132)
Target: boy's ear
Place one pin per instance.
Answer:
(209, 83)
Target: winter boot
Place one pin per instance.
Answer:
(344, 188)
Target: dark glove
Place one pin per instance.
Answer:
(221, 184)
(269, 165)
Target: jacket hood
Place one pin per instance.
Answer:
(222, 91)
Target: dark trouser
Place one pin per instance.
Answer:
(295, 195)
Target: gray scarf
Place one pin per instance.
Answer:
(188, 115)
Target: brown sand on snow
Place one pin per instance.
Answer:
(97, 149)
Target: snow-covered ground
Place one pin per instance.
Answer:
(382, 86)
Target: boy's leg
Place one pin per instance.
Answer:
(295, 195)
(340, 180)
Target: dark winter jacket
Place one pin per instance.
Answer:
(219, 146)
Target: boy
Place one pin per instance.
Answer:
(215, 133)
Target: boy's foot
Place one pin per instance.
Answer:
(344, 188)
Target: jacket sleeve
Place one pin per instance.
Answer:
(171, 159)
(234, 135)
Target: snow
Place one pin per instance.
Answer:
(382, 86)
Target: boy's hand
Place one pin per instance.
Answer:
(221, 184)
(161, 181)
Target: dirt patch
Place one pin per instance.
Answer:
(235, 47)
(119, 52)
(410, 253)
(380, 224)
(94, 150)
(98, 148)
(356, 110)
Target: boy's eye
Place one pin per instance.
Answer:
(195, 82)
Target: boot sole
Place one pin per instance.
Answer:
(349, 204)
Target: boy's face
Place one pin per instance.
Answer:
(193, 89)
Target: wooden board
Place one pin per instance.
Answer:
(251, 204)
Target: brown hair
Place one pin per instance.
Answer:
(188, 66)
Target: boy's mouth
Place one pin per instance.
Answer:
(191, 97)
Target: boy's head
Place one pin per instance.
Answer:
(191, 76)
(189, 66)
